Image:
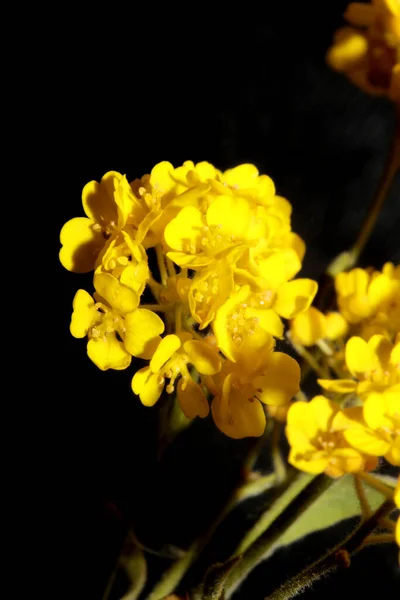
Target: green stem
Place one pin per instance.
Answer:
(337, 556)
(264, 537)
(298, 484)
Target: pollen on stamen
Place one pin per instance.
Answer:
(96, 227)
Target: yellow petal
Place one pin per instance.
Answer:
(192, 399)
(375, 410)
(143, 328)
(148, 386)
(345, 460)
(381, 290)
(84, 315)
(268, 319)
(280, 380)
(323, 411)
(98, 199)
(335, 326)
(308, 327)
(393, 454)
(108, 353)
(359, 14)
(301, 419)
(166, 348)
(220, 324)
(295, 297)
(123, 198)
(184, 232)
(231, 214)
(206, 360)
(349, 49)
(118, 296)
(366, 441)
(360, 358)
(311, 464)
(237, 415)
(341, 386)
(81, 245)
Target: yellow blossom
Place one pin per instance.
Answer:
(374, 428)
(251, 317)
(113, 336)
(170, 361)
(310, 326)
(360, 293)
(375, 365)
(240, 389)
(126, 261)
(107, 205)
(317, 443)
(369, 52)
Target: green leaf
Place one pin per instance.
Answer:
(337, 503)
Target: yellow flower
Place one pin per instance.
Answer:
(170, 361)
(126, 261)
(246, 319)
(209, 289)
(374, 428)
(310, 326)
(197, 240)
(360, 294)
(317, 443)
(374, 364)
(107, 205)
(113, 336)
(240, 389)
(370, 54)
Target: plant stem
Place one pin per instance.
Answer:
(264, 538)
(365, 507)
(378, 485)
(308, 357)
(337, 556)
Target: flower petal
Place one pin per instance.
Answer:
(166, 348)
(280, 380)
(295, 297)
(118, 296)
(308, 327)
(206, 360)
(143, 328)
(341, 386)
(148, 386)
(192, 399)
(84, 315)
(81, 245)
(360, 358)
(108, 353)
(366, 441)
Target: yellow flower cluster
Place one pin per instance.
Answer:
(369, 51)
(214, 253)
(368, 383)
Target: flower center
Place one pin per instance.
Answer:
(239, 326)
(109, 323)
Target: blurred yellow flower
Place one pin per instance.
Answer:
(369, 52)
(310, 326)
(317, 443)
(375, 365)
(374, 428)
(397, 502)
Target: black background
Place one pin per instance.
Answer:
(229, 85)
